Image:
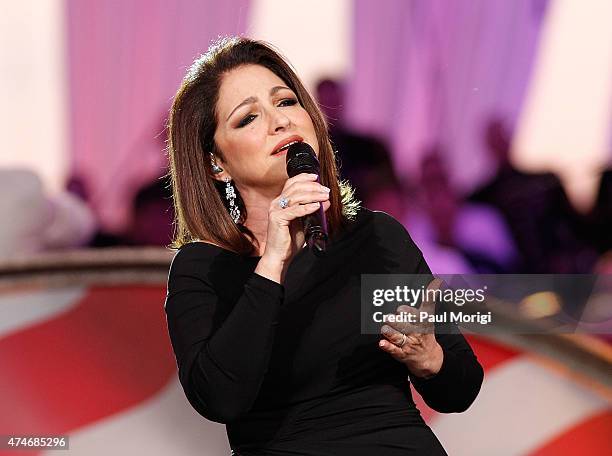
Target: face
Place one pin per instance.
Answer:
(256, 112)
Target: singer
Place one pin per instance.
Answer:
(266, 333)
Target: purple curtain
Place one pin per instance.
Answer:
(126, 60)
(433, 71)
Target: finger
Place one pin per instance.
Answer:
(392, 349)
(302, 177)
(299, 210)
(405, 324)
(406, 308)
(404, 327)
(396, 335)
(300, 193)
(414, 339)
(407, 328)
(392, 334)
(430, 301)
(428, 304)
(306, 197)
(297, 188)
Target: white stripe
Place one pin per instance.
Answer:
(163, 425)
(521, 406)
(19, 310)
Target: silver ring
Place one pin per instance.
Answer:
(283, 203)
(403, 340)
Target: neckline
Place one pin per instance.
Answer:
(363, 214)
(224, 249)
(258, 257)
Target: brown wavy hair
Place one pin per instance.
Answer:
(201, 211)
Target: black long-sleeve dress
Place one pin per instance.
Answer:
(286, 367)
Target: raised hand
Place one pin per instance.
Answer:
(415, 344)
(301, 195)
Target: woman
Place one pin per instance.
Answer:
(266, 334)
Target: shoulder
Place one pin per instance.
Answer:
(387, 231)
(194, 256)
(367, 217)
(197, 249)
(387, 225)
(388, 242)
(209, 262)
(382, 219)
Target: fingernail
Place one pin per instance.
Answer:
(381, 343)
(326, 188)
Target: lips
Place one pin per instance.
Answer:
(285, 143)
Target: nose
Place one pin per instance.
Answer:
(280, 121)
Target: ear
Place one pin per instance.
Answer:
(220, 174)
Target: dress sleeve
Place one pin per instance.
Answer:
(456, 385)
(221, 364)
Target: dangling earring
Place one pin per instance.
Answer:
(216, 169)
(230, 194)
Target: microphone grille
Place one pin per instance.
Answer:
(301, 158)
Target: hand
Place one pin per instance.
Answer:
(285, 235)
(415, 344)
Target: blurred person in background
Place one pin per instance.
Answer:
(363, 159)
(367, 163)
(152, 215)
(148, 221)
(152, 211)
(35, 221)
(402, 202)
(475, 231)
(538, 213)
(100, 237)
(596, 225)
(267, 335)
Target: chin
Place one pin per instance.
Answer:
(278, 174)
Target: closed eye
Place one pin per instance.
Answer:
(247, 120)
(288, 102)
(283, 103)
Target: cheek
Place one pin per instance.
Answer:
(307, 124)
(250, 138)
(243, 143)
(306, 120)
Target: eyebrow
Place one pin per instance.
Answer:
(250, 100)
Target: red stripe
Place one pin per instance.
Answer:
(103, 356)
(490, 355)
(590, 437)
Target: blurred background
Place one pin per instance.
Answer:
(485, 127)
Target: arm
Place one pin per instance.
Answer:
(221, 363)
(456, 385)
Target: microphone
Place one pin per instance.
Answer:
(301, 158)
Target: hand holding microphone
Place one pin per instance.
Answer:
(302, 159)
(296, 215)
